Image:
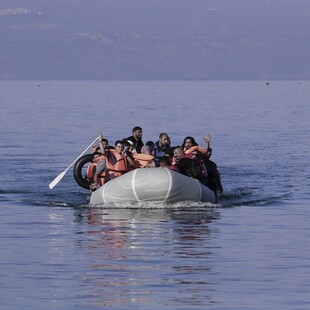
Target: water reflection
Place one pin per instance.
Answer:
(149, 257)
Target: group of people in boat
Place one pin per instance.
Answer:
(130, 153)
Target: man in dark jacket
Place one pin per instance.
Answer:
(161, 147)
(136, 138)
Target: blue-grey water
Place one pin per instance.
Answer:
(249, 251)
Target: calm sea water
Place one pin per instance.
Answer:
(249, 251)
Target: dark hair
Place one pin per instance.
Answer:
(118, 141)
(105, 140)
(169, 152)
(136, 128)
(96, 149)
(194, 143)
(177, 147)
(163, 134)
(126, 143)
(150, 144)
(165, 160)
(189, 167)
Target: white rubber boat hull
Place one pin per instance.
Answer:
(152, 185)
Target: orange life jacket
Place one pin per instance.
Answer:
(195, 148)
(141, 160)
(191, 153)
(116, 163)
(91, 169)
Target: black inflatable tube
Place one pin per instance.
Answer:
(83, 181)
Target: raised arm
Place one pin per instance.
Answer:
(207, 139)
(102, 147)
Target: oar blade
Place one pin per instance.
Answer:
(57, 179)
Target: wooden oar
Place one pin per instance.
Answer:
(62, 174)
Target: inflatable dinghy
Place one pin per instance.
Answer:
(152, 185)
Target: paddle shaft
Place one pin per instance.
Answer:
(62, 174)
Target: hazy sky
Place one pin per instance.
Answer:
(123, 39)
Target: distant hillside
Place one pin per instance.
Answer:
(154, 39)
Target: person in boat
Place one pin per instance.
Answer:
(134, 159)
(129, 147)
(211, 175)
(127, 154)
(165, 162)
(136, 138)
(137, 160)
(150, 144)
(199, 167)
(188, 142)
(177, 155)
(147, 159)
(100, 163)
(161, 147)
(104, 142)
(111, 163)
(91, 169)
(191, 168)
(187, 165)
(146, 150)
(190, 146)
